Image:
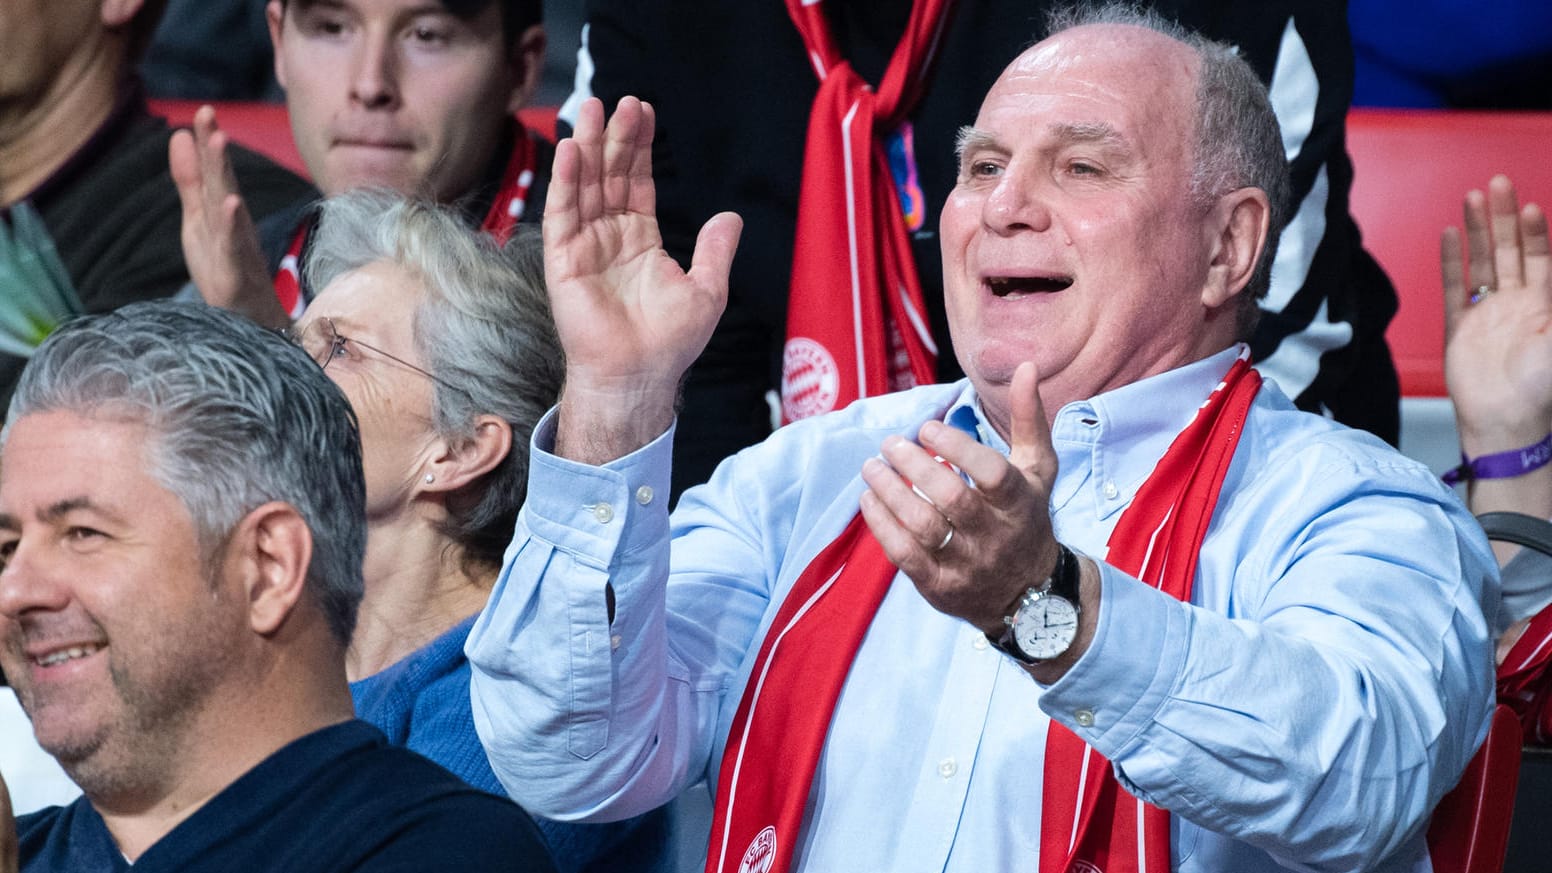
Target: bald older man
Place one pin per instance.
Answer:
(1110, 604)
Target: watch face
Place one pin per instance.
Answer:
(1045, 627)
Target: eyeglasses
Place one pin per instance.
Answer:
(324, 343)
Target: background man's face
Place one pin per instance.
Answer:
(1071, 238)
(395, 93)
(37, 39)
(110, 631)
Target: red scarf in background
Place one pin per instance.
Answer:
(505, 212)
(856, 318)
(784, 714)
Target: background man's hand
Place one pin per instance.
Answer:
(1001, 542)
(630, 320)
(220, 244)
(1498, 350)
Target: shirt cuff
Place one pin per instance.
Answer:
(1138, 652)
(597, 512)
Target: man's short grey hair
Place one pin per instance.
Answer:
(483, 327)
(1238, 143)
(238, 417)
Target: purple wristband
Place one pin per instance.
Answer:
(1502, 465)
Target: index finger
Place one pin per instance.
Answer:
(562, 214)
(1538, 250)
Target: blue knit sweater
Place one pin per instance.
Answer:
(422, 702)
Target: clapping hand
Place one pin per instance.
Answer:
(972, 551)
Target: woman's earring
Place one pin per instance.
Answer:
(430, 478)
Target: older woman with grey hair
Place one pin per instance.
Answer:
(444, 345)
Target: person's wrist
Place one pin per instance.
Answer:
(1502, 437)
(597, 424)
(1503, 464)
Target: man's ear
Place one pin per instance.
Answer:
(270, 551)
(527, 62)
(119, 13)
(1238, 224)
(275, 17)
(457, 465)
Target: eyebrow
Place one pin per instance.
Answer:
(57, 510)
(431, 7)
(1096, 133)
(972, 138)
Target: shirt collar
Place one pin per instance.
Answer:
(1111, 442)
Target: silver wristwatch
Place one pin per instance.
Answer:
(1044, 622)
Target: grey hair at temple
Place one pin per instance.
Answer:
(483, 327)
(239, 416)
(1238, 142)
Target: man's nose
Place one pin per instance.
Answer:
(1019, 202)
(26, 583)
(374, 81)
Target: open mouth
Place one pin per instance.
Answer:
(69, 653)
(1011, 286)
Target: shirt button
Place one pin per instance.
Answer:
(979, 643)
(603, 513)
(644, 495)
(1111, 491)
(947, 768)
(614, 642)
(1084, 717)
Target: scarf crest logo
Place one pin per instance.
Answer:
(1083, 867)
(810, 381)
(761, 853)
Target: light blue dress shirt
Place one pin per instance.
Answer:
(1326, 685)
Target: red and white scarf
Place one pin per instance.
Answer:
(784, 715)
(1525, 684)
(506, 210)
(856, 317)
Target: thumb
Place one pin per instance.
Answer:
(1030, 447)
(712, 261)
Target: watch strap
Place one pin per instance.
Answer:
(1067, 576)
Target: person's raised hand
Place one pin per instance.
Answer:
(1498, 321)
(220, 244)
(972, 551)
(630, 319)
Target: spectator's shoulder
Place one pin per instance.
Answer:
(410, 814)
(1332, 456)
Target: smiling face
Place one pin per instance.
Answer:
(1072, 238)
(375, 305)
(398, 93)
(111, 632)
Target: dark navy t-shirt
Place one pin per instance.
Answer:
(340, 799)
